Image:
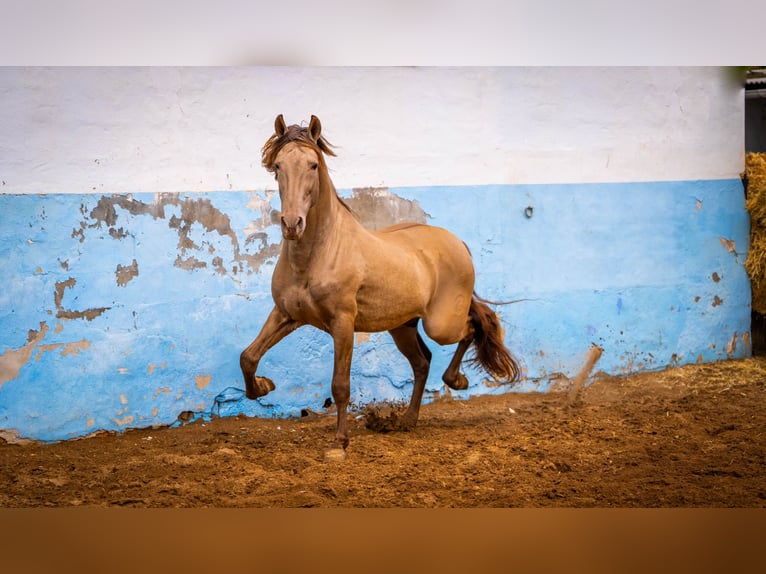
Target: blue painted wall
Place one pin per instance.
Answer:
(123, 311)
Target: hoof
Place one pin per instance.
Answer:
(459, 384)
(335, 454)
(261, 386)
(408, 423)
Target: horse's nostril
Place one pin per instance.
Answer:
(292, 225)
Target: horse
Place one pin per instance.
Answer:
(335, 275)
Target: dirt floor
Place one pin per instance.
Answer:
(693, 436)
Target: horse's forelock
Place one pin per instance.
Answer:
(294, 133)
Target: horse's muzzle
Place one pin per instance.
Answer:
(292, 227)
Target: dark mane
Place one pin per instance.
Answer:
(294, 133)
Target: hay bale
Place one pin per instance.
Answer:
(755, 177)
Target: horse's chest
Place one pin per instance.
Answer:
(295, 301)
(304, 303)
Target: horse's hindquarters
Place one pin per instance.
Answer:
(417, 271)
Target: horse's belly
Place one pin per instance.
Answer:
(385, 309)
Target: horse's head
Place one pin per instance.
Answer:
(294, 155)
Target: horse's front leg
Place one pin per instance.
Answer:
(343, 343)
(277, 327)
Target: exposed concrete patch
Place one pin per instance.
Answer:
(12, 436)
(61, 313)
(124, 421)
(219, 268)
(361, 338)
(126, 273)
(12, 360)
(730, 246)
(377, 208)
(717, 301)
(67, 349)
(268, 215)
(189, 264)
(731, 346)
(194, 212)
(75, 347)
(105, 211)
(202, 381)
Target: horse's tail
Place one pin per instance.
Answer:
(490, 351)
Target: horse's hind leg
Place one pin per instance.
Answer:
(452, 377)
(412, 346)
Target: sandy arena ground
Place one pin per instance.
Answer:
(692, 436)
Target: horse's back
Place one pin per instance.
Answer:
(423, 236)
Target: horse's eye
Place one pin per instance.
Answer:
(276, 167)
(314, 166)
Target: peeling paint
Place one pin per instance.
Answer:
(67, 349)
(194, 212)
(152, 367)
(268, 215)
(205, 254)
(361, 338)
(61, 313)
(377, 207)
(731, 346)
(157, 318)
(74, 348)
(126, 273)
(189, 264)
(729, 245)
(124, 421)
(12, 360)
(202, 381)
(12, 436)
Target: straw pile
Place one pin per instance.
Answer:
(755, 173)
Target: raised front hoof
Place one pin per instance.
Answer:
(335, 454)
(261, 386)
(459, 384)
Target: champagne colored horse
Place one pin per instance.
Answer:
(339, 277)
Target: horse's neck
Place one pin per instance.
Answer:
(325, 224)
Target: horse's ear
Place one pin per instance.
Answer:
(315, 129)
(279, 125)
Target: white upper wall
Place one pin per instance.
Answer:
(122, 130)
